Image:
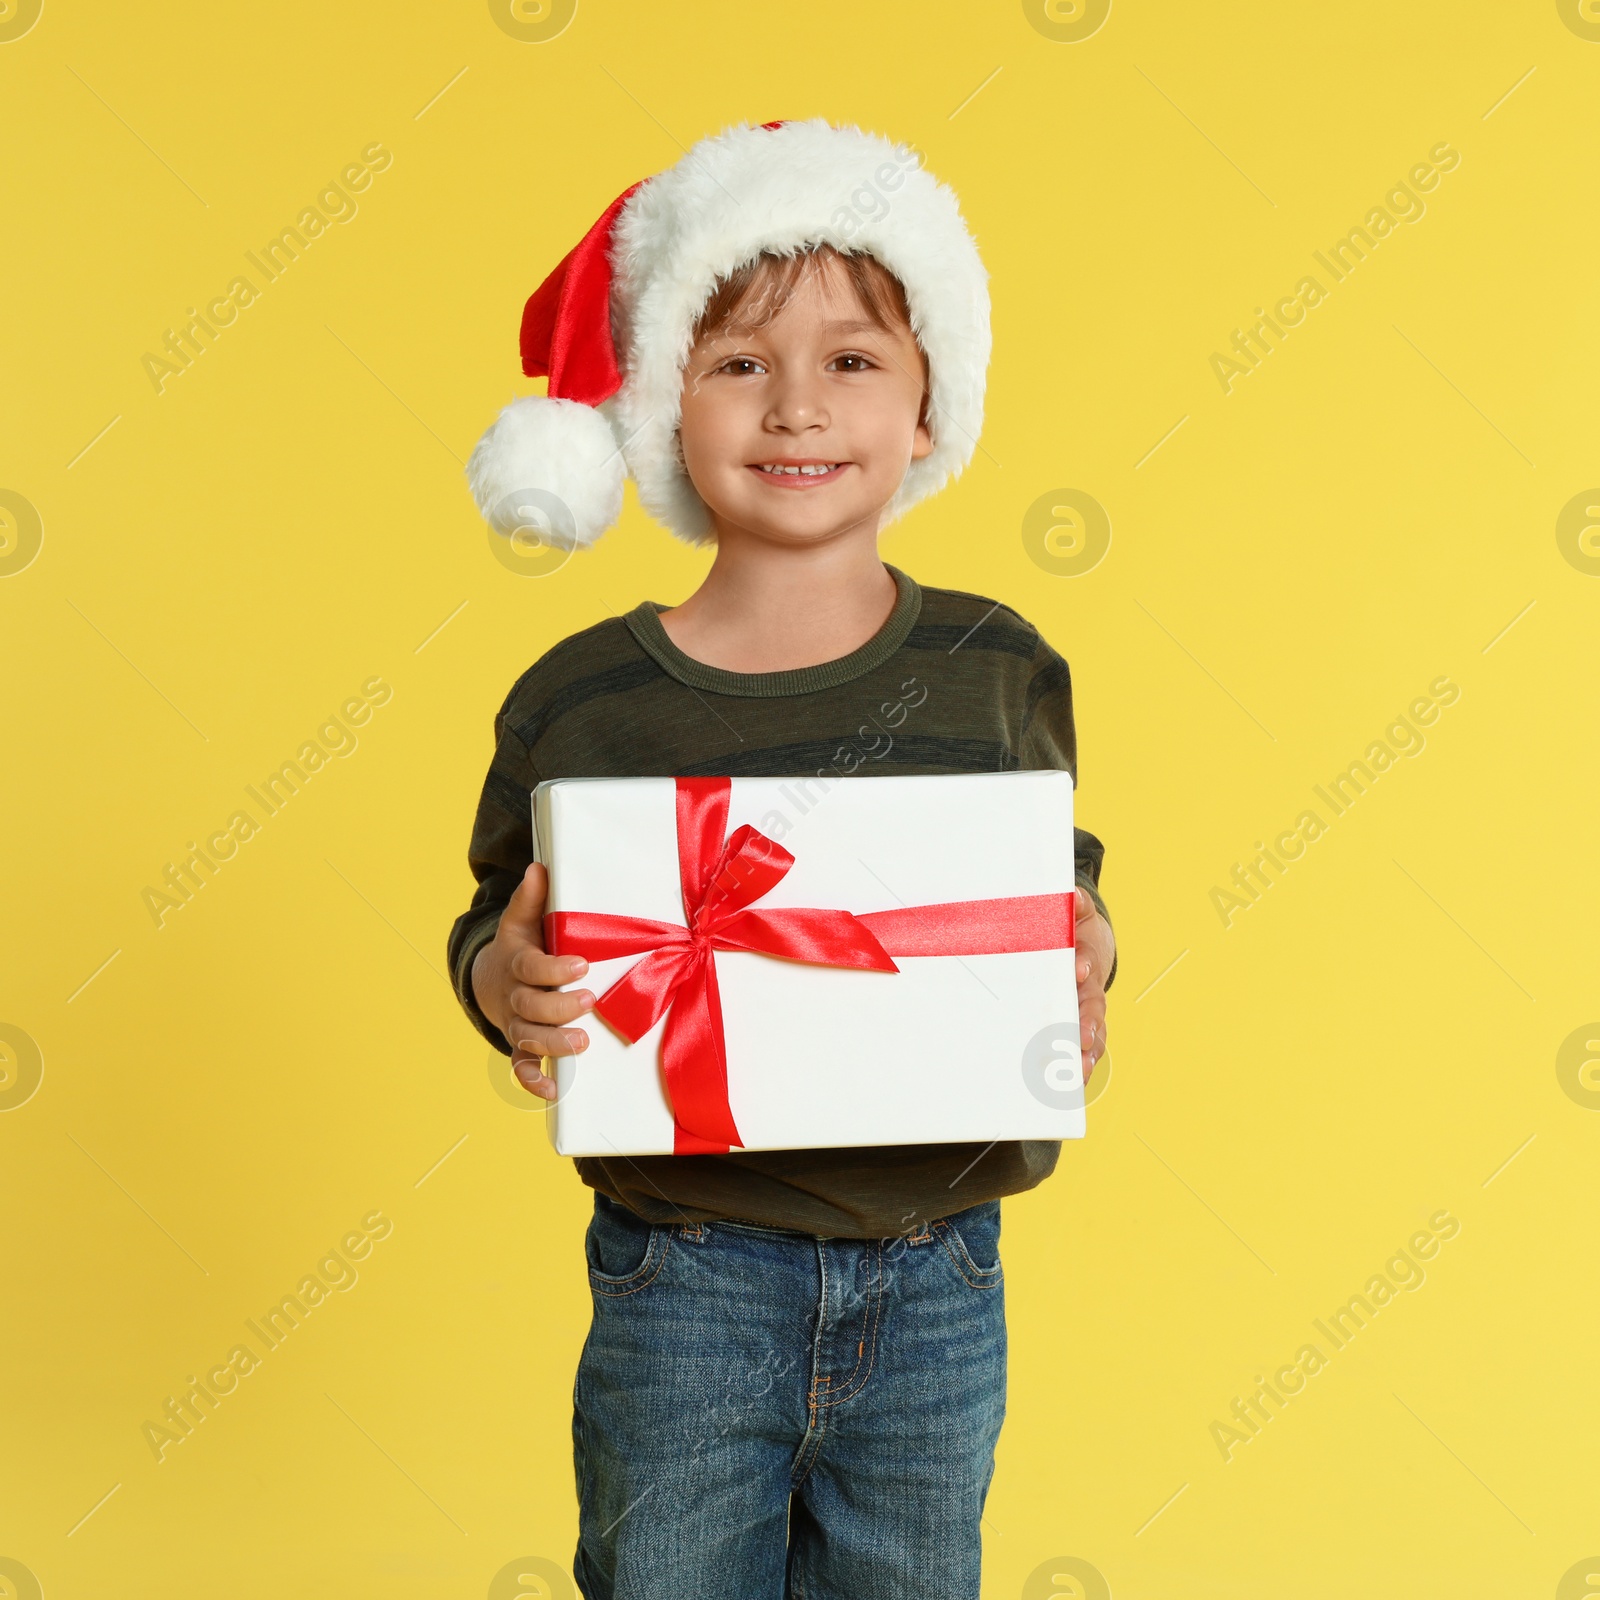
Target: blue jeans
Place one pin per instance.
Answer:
(762, 1414)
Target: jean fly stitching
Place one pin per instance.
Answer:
(816, 1421)
(867, 1345)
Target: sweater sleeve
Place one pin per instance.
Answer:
(1049, 739)
(499, 853)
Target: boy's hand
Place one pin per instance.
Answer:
(1096, 946)
(513, 979)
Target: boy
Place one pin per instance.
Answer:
(795, 1375)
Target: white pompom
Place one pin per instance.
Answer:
(552, 463)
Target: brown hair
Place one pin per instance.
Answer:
(771, 281)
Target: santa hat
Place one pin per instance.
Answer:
(613, 325)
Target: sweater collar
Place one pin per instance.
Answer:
(644, 622)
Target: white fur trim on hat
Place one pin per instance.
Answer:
(754, 189)
(552, 466)
(735, 196)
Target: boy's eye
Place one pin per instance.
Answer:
(740, 366)
(862, 363)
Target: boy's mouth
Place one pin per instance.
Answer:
(797, 474)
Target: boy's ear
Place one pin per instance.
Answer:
(921, 442)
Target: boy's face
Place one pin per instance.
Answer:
(804, 380)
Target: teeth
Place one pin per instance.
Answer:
(809, 472)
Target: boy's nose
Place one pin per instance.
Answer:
(798, 403)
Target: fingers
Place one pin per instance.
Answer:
(524, 912)
(545, 1038)
(1096, 945)
(1091, 1031)
(530, 964)
(538, 1010)
(550, 1006)
(535, 1032)
(529, 1072)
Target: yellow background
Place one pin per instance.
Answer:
(1369, 1043)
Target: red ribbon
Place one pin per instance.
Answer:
(721, 877)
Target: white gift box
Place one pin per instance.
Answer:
(949, 1048)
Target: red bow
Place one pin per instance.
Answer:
(721, 877)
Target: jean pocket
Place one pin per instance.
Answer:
(624, 1251)
(972, 1238)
